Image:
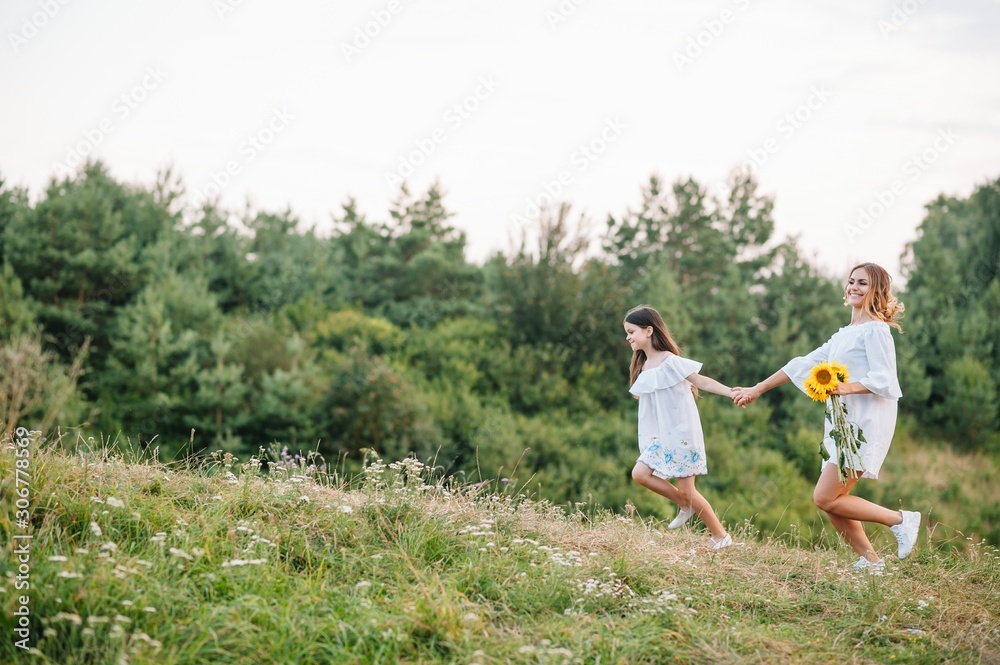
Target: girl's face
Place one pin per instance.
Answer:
(857, 287)
(640, 339)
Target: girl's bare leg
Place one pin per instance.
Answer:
(643, 475)
(701, 507)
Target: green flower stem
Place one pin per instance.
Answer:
(847, 437)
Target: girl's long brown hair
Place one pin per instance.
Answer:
(879, 302)
(645, 316)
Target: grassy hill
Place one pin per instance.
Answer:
(133, 561)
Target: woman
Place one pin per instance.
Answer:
(865, 346)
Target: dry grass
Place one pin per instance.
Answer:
(390, 570)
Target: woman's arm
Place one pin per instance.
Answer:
(709, 384)
(745, 396)
(852, 388)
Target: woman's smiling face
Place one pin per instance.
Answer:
(858, 285)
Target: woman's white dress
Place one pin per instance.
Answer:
(869, 353)
(671, 441)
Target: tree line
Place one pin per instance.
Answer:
(126, 311)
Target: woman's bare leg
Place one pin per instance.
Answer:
(835, 499)
(847, 512)
(853, 532)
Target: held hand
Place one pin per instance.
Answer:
(747, 396)
(743, 396)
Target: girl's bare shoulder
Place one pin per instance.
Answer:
(653, 362)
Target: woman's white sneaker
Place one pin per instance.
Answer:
(683, 515)
(863, 565)
(906, 532)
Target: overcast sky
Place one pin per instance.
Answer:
(840, 107)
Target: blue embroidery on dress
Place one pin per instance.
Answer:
(674, 461)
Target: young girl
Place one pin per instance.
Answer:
(865, 346)
(671, 442)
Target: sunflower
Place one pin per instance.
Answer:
(822, 379)
(839, 370)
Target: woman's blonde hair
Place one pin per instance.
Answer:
(879, 301)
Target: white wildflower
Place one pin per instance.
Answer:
(143, 637)
(67, 616)
(115, 503)
(243, 562)
(96, 530)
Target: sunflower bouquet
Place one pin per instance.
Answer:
(847, 436)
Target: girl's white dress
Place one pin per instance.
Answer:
(671, 441)
(869, 353)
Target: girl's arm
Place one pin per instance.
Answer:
(709, 384)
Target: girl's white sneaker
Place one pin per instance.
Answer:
(683, 515)
(726, 541)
